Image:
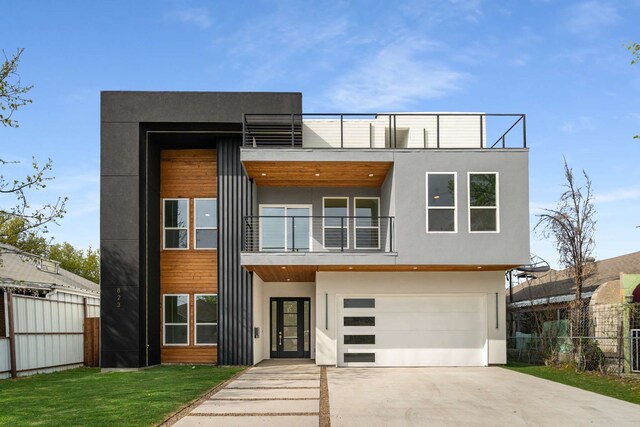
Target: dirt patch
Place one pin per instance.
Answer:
(325, 414)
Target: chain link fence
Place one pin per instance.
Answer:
(602, 337)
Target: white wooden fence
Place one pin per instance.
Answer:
(48, 332)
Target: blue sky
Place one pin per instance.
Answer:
(562, 63)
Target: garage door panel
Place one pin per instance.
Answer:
(428, 321)
(418, 330)
(431, 304)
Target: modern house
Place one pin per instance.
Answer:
(236, 228)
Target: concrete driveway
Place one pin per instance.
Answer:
(298, 393)
(465, 397)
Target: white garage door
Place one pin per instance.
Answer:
(412, 330)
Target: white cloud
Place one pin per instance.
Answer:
(587, 19)
(199, 17)
(394, 78)
(618, 195)
(581, 124)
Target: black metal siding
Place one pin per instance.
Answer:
(235, 293)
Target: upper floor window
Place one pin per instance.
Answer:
(367, 222)
(176, 224)
(335, 211)
(206, 223)
(483, 202)
(441, 202)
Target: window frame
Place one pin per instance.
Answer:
(195, 319)
(455, 203)
(496, 207)
(324, 226)
(195, 224)
(165, 228)
(164, 321)
(355, 221)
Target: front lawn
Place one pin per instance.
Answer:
(620, 388)
(87, 397)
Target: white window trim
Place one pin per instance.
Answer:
(286, 206)
(164, 228)
(196, 323)
(455, 202)
(333, 226)
(496, 207)
(355, 222)
(195, 223)
(164, 320)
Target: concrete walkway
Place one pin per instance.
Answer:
(273, 393)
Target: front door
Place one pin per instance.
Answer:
(290, 328)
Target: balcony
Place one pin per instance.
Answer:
(317, 234)
(388, 130)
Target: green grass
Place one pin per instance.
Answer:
(87, 397)
(620, 388)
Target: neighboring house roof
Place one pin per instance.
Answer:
(31, 271)
(557, 286)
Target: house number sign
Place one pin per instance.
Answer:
(118, 297)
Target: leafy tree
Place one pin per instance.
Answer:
(19, 221)
(572, 226)
(80, 262)
(12, 93)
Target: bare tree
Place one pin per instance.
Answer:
(12, 93)
(572, 226)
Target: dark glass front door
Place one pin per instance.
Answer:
(290, 327)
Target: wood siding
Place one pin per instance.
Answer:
(187, 174)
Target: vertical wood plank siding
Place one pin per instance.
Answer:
(235, 340)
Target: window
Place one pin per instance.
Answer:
(441, 202)
(206, 316)
(335, 223)
(285, 228)
(176, 319)
(359, 357)
(359, 339)
(206, 223)
(359, 303)
(176, 223)
(367, 222)
(359, 321)
(483, 202)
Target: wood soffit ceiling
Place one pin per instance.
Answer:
(307, 273)
(317, 174)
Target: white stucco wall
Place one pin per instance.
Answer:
(331, 284)
(262, 293)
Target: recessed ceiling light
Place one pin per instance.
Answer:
(317, 174)
(370, 175)
(350, 268)
(436, 197)
(415, 268)
(288, 280)
(284, 268)
(264, 174)
(479, 267)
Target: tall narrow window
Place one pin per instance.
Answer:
(206, 223)
(176, 319)
(176, 223)
(367, 223)
(483, 202)
(441, 202)
(206, 319)
(335, 211)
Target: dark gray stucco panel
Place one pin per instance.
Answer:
(130, 332)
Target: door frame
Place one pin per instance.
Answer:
(279, 353)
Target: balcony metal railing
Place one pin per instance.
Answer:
(385, 130)
(317, 234)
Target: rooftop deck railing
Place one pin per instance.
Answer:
(385, 130)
